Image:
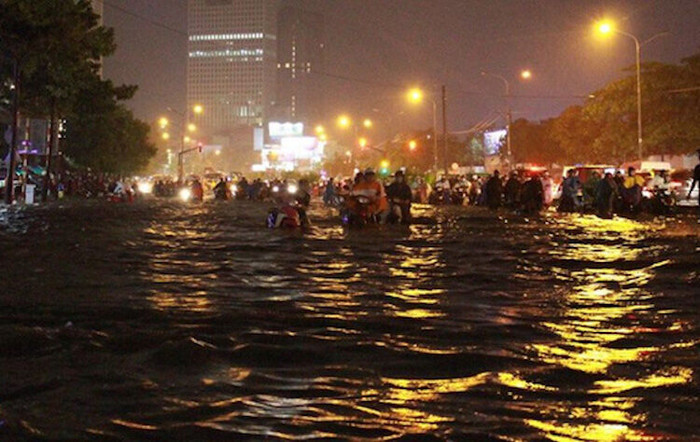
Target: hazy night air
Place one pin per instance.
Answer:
(375, 49)
(357, 220)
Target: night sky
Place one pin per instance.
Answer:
(376, 49)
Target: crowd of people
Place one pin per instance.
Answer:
(522, 191)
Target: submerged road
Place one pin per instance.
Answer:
(167, 321)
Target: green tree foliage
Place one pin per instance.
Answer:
(532, 142)
(58, 45)
(670, 111)
(102, 134)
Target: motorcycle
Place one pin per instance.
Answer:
(290, 216)
(397, 210)
(658, 201)
(357, 211)
(222, 193)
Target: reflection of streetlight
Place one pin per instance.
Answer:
(606, 28)
(416, 96)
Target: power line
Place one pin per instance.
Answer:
(144, 18)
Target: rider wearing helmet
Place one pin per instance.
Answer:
(374, 191)
(399, 195)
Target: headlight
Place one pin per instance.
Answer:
(185, 194)
(145, 187)
(292, 188)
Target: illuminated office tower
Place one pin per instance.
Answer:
(300, 65)
(231, 62)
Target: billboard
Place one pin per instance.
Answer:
(493, 141)
(280, 130)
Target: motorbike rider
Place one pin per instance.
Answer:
(696, 180)
(372, 189)
(221, 190)
(399, 195)
(197, 190)
(632, 189)
(570, 188)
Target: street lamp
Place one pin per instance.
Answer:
(344, 121)
(525, 75)
(606, 28)
(416, 96)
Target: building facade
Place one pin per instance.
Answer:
(300, 65)
(232, 55)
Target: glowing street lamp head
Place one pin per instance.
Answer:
(526, 74)
(604, 27)
(187, 139)
(344, 121)
(320, 129)
(163, 122)
(362, 142)
(165, 136)
(198, 109)
(385, 164)
(191, 127)
(367, 123)
(412, 144)
(415, 95)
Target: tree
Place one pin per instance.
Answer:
(532, 142)
(102, 134)
(671, 119)
(52, 46)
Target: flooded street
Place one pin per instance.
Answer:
(166, 321)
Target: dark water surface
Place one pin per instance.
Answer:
(162, 321)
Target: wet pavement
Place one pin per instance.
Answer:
(169, 321)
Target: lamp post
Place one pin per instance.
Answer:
(416, 96)
(186, 127)
(525, 75)
(606, 28)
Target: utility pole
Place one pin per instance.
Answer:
(444, 127)
(9, 181)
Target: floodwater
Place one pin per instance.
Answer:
(167, 321)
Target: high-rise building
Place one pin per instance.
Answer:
(231, 62)
(300, 60)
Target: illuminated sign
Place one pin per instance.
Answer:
(279, 130)
(493, 141)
